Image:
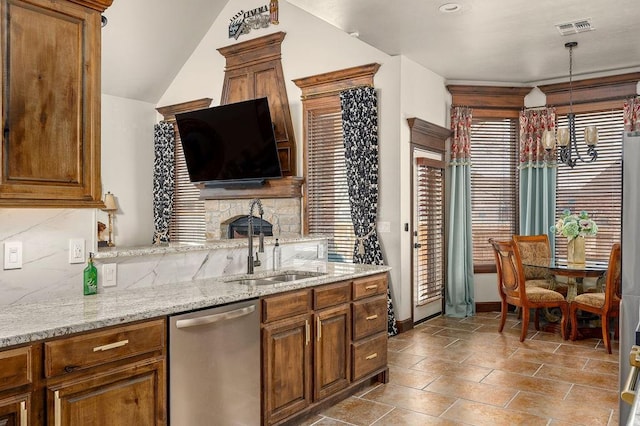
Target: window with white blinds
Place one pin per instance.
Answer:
(494, 186)
(594, 187)
(430, 231)
(188, 218)
(328, 209)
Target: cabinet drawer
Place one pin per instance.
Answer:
(88, 350)
(369, 316)
(15, 368)
(285, 305)
(370, 286)
(331, 295)
(369, 355)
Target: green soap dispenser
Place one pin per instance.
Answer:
(90, 277)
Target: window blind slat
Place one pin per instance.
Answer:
(595, 187)
(494, 184)
(328, 208)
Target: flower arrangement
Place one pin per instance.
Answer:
(574, 225)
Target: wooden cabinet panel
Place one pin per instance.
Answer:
(285, 305)
(369, 355)
(88, 350)
(254, 70)
(15, 368)
(130, 395)
(332, 354)
(286, 353)
(369, 316)
(369, 286)
(331, 295)
(51, 103)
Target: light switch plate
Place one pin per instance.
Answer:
(76, 250)
(384, 227)
(109, 274)
(13, 255)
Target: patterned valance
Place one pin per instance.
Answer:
(631, 111)
(533, 123)
(461, 118)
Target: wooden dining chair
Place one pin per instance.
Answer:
(536, 250)
(513, 291)
(606, 304)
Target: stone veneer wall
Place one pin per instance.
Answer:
(284, 214)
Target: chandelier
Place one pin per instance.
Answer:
(568, 152)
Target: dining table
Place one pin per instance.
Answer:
(574, 272)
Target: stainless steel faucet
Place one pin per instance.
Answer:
(250, 261)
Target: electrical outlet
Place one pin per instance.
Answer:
(13, 255)
(76, 250)
(109, 275)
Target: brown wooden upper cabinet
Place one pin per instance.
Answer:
(254, 70)
(51, 103)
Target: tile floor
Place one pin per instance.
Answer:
(450, 371)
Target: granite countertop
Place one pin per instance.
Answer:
(23, 323)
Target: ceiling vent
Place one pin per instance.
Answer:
(575, 27)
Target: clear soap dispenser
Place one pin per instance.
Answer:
(277, 256)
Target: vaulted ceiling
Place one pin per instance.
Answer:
(146, 42)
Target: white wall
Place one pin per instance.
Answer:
(127, 167)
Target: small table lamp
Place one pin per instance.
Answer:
(110, 206)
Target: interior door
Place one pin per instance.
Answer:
(428, 234)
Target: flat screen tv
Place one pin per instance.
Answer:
(230, 145)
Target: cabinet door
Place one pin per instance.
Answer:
(51, 104)
(129, 395)
(286, 367)
(14, 410)
(332, 352)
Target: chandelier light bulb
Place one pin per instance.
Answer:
(563, 136)
(591, 135)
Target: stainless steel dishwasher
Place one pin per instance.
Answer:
(214, 366)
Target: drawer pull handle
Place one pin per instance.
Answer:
(110, 346)
(319, 328)
(23, 413)
(372, 317)
(371, 287)
(57, 408)
(307, 330)
(372, 356)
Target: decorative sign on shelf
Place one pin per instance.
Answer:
(260, 17)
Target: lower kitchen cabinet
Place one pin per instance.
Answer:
(286, 353)
(128, 395)
(308, 343)
(332, 357)
(113, 376)
(19, 370)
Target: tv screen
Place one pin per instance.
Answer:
(230, 143)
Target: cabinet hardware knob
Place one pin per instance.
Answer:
(70, 368)
(372, 317)
(372, 356)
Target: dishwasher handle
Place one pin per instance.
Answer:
(210, 319)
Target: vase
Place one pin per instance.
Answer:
(575, 251)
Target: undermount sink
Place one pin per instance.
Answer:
(293, 276)
(278, 278)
